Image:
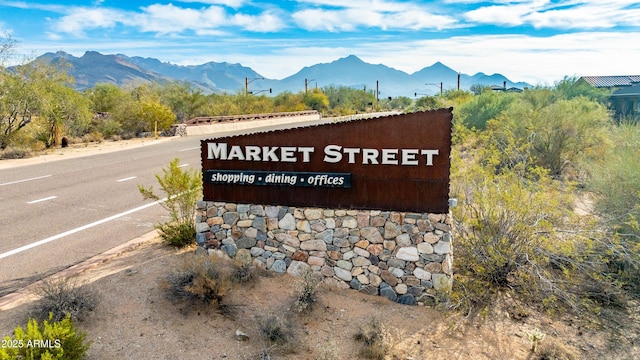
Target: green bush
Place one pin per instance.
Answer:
(182, 189)
(178, 233)
(51, 340)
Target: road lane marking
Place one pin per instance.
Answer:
(78, 229)
(193, 148)
(183, 165)
(127, 179)
(25, 180)
(41, 200)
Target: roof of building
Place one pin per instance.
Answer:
(612, 81)
(633, 90)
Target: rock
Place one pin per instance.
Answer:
(244, 223)
(272, 211)
(433, 267)
(408, 254)
(326, 236)
(403, 240)
(303, 225)
(298, 268)
(230, 218)
(349, 222)
(313, 245)
(401, 289)
(344, 264)
(355, 284)
(315, 261)
(431, 238)
(407, 299)
(372, 235)
(425, 248)
(290, 240)
(342, 274)
(360, 261)
(421, 274)
(369, 290)
(240, 336)
(387, 291)
(201, 239)
(257, 210)
(288, 222)
(251, 233)
(202, 227)
(260, 224)
(230, 250)
(375, 280)
(279, 266)
(313, 214)
(300, 256)
(388, 277)
(442, 247)
(246, 242)
(391, 230)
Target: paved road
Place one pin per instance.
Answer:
(59, 213)
(56, 214)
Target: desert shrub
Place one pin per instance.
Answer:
(62, 298)
(178, 234)
(182, 189)
(371, 336)
(277, 328)
(306, 286)
(517, 232)
(552, 349)
(204, 279)
(51, 340)
(14, 153)
(329, 350)
(242, 272)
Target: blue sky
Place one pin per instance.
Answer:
(538, 41)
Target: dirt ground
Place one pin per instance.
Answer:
(134, 319)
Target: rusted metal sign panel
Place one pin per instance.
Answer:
(398, 162)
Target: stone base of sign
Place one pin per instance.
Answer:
(405, 257)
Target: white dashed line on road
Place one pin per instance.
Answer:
(127, 179)
(78, 229)
(25, 180)
(41, 200)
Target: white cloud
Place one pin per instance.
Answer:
(366, 14)
(552, 15)
(266, 22)
(81, 19)
(235, 4)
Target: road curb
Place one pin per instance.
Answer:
(28, 293)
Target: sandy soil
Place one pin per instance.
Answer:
(134, 319)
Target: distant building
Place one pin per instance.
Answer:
(498, 88)
(625, 95)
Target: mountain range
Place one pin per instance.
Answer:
(212, 77)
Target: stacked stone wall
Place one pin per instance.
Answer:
(405, 257)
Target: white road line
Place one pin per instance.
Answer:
(126, 179)
(41, 200)
(183, 165)
(20, 181)
(73, 231)
(193, 148)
